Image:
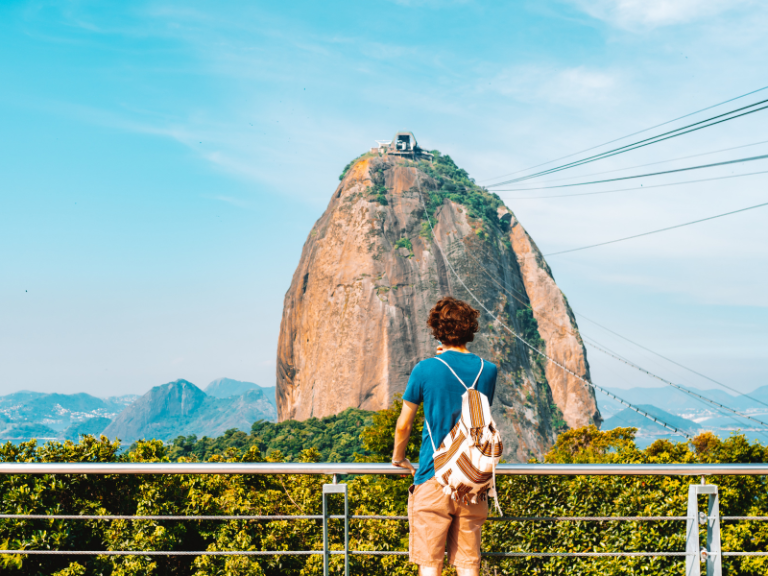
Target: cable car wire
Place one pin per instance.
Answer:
(658, 162)
(635, 188)
(630, 135)
(677, 386)
(672, 361)
(657, 231)
(647, 175)
(725, 413)
(641, 143)
(533, 348)
(605, 350)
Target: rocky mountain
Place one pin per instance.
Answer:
(227, 387)
(647, 427)
(688, 413)
(354, 317)
(165, 412)
(180, 409)
(686, 406)
(26, 415)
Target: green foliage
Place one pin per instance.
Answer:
(336, 438)
(405, 243)
(529, 327)
(626, 496)
(455, 184)
(346, 169)
(208, 495)
(379, 438)
(352, 163)
(377, 191)
(558, 422)
(426, 229)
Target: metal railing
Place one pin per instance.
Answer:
(694, 554)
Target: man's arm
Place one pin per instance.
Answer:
(402, 434)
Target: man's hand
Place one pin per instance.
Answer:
(405, 464)
(402, 432)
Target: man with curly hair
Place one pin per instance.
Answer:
(434, 517)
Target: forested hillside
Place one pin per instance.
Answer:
(336, 438)
(301, 495)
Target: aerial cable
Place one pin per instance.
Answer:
(715, 410)
(641, 144)
(630, 135)
(649, 174)
(536, 350)
(677, 386)
(637, 188)
(657, 231)
(659, 162)
(672, 361)
(512, 291)
(603, 349)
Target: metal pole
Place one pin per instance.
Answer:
(327, 490)
(692, 561)
(715, 556)
(346, 533)
(326, 551)
(712, 554)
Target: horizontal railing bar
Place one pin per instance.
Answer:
(375, 517)
(360, 517)
(585, 518)
(164, 553)
(763, 518)
(339, 552)
(745, 553)
(177, 517)
(585, 554)
(368, 468)
(156, 517)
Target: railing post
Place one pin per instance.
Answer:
(715, 556)
(327, 490)
(692, 560)
(712, 554)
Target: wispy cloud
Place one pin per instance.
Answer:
(629, 14)
(574, 87)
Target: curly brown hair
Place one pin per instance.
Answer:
(453, 322)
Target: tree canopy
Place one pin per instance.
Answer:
(531, 496)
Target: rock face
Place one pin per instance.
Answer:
(557, 326)
(354, 318)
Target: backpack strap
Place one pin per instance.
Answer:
(482, 364)
(429, 431)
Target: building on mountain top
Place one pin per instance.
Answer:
(404, 145)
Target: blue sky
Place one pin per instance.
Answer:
(162, 163)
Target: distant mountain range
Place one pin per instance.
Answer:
(25, 415)
(685, 412)
(182, 409)
(165, 412)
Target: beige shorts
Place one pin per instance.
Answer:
(434, 518)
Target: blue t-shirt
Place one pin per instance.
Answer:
(432, 383)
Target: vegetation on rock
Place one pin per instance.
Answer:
(455, 184)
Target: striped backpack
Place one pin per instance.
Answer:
(465, 462)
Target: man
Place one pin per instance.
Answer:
(433, 516)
